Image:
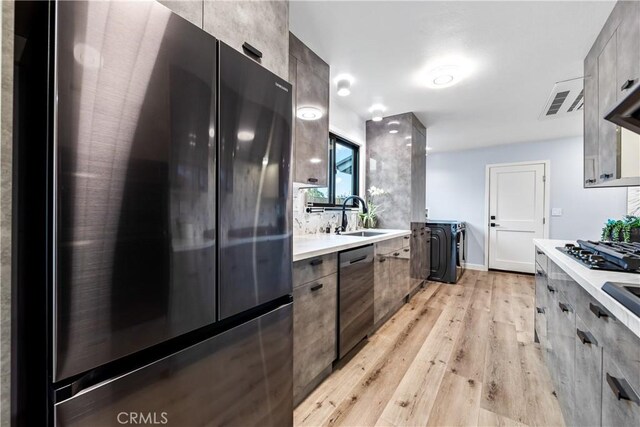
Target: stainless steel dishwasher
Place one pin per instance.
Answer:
(355, 297)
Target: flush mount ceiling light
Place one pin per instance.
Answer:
(428, 148)
(308, 113)
(445, 72)
(377, 110)
(394, 126)
(315, 160)
(344, 82)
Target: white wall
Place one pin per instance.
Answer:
(456, 190)
(349, 125)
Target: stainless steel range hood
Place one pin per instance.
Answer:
(627, 113)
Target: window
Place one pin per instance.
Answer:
(343, 175)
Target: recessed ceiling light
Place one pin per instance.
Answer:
(409, 145)
(246, 135)
(428, 148)
(343, 82)
(377, 110)
(315, 160)
(309, 113)
(407, 137)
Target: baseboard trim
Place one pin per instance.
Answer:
(478, 267)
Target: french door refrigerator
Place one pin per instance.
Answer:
(169, 292)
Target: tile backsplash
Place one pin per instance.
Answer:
(316, 222)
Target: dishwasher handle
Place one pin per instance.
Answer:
(360, 258)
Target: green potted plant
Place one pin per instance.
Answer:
(622, 230)
(370, 219)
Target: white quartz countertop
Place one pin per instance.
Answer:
(308, 246)
(592, 280)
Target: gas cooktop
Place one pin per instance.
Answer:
(608, 256)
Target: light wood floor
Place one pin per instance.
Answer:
(455, 355)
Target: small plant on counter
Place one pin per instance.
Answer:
(370, 219)
(622, 230)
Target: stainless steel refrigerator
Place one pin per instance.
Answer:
(170, 287)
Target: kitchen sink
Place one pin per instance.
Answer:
(364, 233)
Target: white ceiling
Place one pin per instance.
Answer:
(520, 49)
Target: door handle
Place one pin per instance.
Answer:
(597, 310)
(586, 337)
(353, 261)
(564, 307)
(493, 224)
(627, 84)
(316, 262)
(619, 390)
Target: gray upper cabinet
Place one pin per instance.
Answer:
(611, 70)
(591, 121)
(606, 100)
(262, 24)
(309, 75)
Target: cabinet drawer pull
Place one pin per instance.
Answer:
(551, 288)
(586, 337)
(564, 307)
(316, 287)
(316, 262)
(312, 180)
(597, 310)
(539, 252)
(540, 310)
(590, 181)
(406, 237)
(382, 259)
(406, 249)
(627, 84)
(621, 389)
(396, 253)
(361, 258)
(606, 176)
(541, 273)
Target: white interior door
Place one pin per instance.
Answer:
(516, 215)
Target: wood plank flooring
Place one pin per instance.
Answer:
(454, 355)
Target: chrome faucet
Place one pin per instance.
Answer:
(344, 206)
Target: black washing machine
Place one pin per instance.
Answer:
(448, 250)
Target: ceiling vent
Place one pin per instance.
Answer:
(567, 97)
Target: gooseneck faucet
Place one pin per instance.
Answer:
(344, 206)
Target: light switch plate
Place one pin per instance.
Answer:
(556, 211)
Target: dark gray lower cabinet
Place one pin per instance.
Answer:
(593, 359)
(391, 282)
(382, 291)
(542, 308)
(561, 333)
(620, 404)
(588, 372)
(314, 333)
